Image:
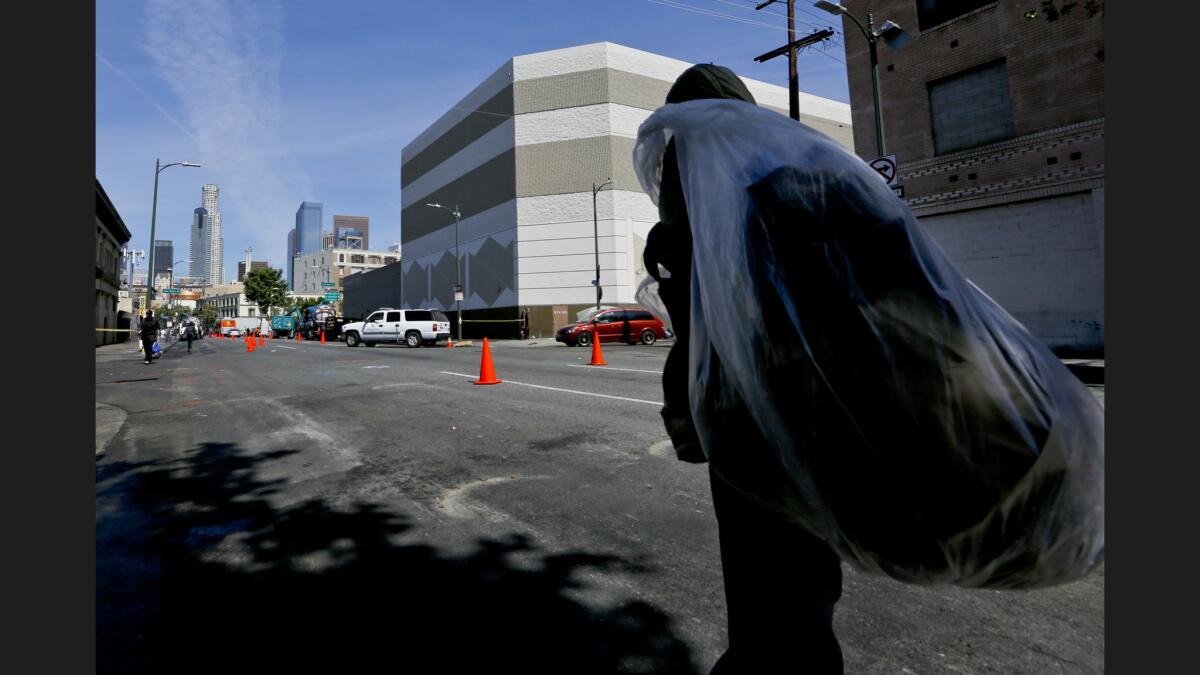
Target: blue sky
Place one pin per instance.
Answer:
(284, 101)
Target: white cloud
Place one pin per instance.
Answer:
(222, 60)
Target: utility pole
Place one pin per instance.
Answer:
(792, 47)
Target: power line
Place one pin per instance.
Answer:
(768, 11)
(719, 15)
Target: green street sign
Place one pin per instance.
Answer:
(333, 296)
(328, 284)
(170, 291)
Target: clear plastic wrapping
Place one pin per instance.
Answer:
(842, 370)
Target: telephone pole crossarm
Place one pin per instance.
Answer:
(806, 41)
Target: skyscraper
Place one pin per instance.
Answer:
(308, 227)
(200, 245)
(211, 201)
(291, 256)
(164, 255)
(348, 228)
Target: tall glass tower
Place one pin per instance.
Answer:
(200, 245)
(308, 227)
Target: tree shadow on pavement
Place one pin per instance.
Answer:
(198, 572)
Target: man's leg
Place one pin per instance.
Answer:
(147, 345)
(781, 584)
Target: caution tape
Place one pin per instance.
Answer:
(490, 320)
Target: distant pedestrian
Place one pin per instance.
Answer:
(189, 334)
(148, 330)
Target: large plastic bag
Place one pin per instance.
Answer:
(842, 371)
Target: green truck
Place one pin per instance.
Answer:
(283, 327)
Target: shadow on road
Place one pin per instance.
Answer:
(198, 572)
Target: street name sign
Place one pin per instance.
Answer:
(333, 296)
(328, 284)
(170, 291)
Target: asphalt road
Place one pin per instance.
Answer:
(351, 510)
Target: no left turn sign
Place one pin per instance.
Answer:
(885, 167)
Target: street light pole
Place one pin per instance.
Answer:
(158, 168)
(893, 35)
(458, 289)
(871, 40)
(596, 235)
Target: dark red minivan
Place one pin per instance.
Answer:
(631, 325)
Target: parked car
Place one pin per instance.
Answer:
(413, 327)
(234, 332)
(632, 325)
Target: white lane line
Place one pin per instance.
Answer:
(376, 366)
(569, 391)
(282, 347)
(630, 370)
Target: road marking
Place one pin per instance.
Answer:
(376, 367)
(282, 347)
(396, 384)
(631, 370)
(569, 391)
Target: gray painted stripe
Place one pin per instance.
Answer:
(570, 90)
(559, 167)
(491, 184)
(489, 116)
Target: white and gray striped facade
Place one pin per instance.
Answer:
(518, 156)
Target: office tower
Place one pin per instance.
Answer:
(211, 201)
(291, 256)
(308, 227)
(164, 255)
(327, 240)
(352, 232)
(200, 245)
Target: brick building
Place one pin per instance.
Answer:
(997, 124)
(111, 237)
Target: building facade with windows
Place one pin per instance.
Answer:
(233, 305)
(996, 120)
(111, 237)
(334, 264)
(518, 157)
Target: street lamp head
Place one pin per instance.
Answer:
(189, 164)
(831, 7)
(436, 206)
(893, 35)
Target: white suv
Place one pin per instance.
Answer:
(413, 327)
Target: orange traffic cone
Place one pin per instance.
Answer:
(299, 337)
(597, 355)
(487, 373)
(450, 342)
(262, 341)
(322, 334)
(249, 346)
